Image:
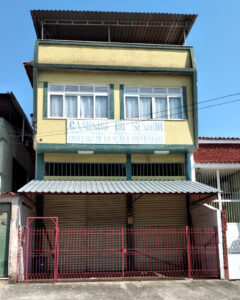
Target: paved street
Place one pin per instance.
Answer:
(181, 289)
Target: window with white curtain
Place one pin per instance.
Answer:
(153, 103)
(78, 101)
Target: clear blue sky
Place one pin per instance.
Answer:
(215, 37)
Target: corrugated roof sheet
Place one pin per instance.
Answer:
(116, 187)
(126, 27)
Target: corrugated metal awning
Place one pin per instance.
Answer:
(116, 187)
(126, 27)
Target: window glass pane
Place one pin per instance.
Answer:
(160, 90)
(101, 88)
(71, 88)
(175, 108)
(56, 106)
(174, 91)
(101, 107)
(71, 106)
(161, 108)
(86, 107)
(145, 107)
(145, 90)
(86, 88)
(131, 89)
(131, 107)
(56, 87)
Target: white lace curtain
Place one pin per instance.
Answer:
(86, 106)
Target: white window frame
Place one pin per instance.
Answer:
(78, 94)
(153, 95)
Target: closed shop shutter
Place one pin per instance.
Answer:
(160, 210)
(106, 211)
(158, 245)
(70, 209)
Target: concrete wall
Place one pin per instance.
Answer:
(20, 210)
(204, 215)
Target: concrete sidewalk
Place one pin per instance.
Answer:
(177, 289)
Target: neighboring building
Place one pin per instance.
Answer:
(115, 124)
(217, 163)
(16, 169)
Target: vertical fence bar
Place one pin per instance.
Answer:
(27, 253)
(56, 255)
(123, 250)
(189, 252)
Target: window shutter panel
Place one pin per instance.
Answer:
(45, 99)
(111, 99)
(185, 104)
(121, 101)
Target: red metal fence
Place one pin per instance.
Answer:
(117, 253)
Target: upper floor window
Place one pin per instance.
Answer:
(153, 103)
(78, 101)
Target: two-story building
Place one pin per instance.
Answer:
(115, 120)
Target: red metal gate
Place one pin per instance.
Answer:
(117, 253)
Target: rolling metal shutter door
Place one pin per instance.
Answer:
(70, 209)
(91, 211)
(106, 211)
(160, 210)
(87, 210)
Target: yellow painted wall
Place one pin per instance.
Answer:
(54, 131)
(114, 56)
(154, 158)
(97, 158)
(113, 158)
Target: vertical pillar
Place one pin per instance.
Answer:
(219, 190)
(190, 170)
(128, 167)
(39, 166)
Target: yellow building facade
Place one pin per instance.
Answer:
(157, 70)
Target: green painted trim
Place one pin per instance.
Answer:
(77, 67)
(194, 98)
(45, 99)
(185, 103)
(111, 96)
(121, 101)
(119, 45)
(40, 166)
(110, 149)
(188, 166)
(128, 167)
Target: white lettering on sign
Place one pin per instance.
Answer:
(115, 132)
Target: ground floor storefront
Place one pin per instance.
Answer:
(117, 230)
